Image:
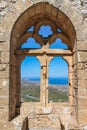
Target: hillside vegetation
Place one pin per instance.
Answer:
(30, 92)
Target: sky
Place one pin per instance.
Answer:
(30, 66)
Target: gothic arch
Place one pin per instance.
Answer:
(38, 13)
(45, 14)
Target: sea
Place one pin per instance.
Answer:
(52, 80)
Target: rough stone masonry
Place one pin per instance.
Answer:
(37, 116)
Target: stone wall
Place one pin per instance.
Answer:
(76, 10)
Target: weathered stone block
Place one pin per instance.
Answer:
(4, 91)
(82, 91)
(4, 71)
(48, 8)
(31, 12)
(4, 115)
(40, 8)
(19, 7)
(60, 16)
(82, 31)
(75, 83)
(82, 117)
(6, 125)
(82, 45)
(4, 102)
(82, 83)
(80, 66)
(5, 57)
(68, 8)
(4, 94)
(4, 67)
(54, 12)
(3, 4)
(82, 56)
(82, 102)
(75, 58)
(4, 74)
(74, 76)
(19, 24)
(25, 17)
(4, 46)
(82, 74)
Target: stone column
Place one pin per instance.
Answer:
(42, 60)
(44, 79)
(49, 58)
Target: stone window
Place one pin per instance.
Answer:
(30, 25)
(44, 53)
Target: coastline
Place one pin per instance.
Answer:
(51, 82)
(33, 82)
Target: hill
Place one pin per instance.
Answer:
(30, 92)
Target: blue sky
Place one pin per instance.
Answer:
(30, 66)
(58, 67)
(31, 43)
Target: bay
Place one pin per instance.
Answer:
(52, 80)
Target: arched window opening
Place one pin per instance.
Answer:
(58, 44)
(31, 43)
(30, 79)
(31, 29)
(45, 31)
(58, 80)
(59, 30)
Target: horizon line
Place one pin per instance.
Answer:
(48, 77)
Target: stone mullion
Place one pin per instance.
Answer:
(48, 59)
(46, 82)
(42, 60)
(44, 85)
(46, 89)
(41, 86)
